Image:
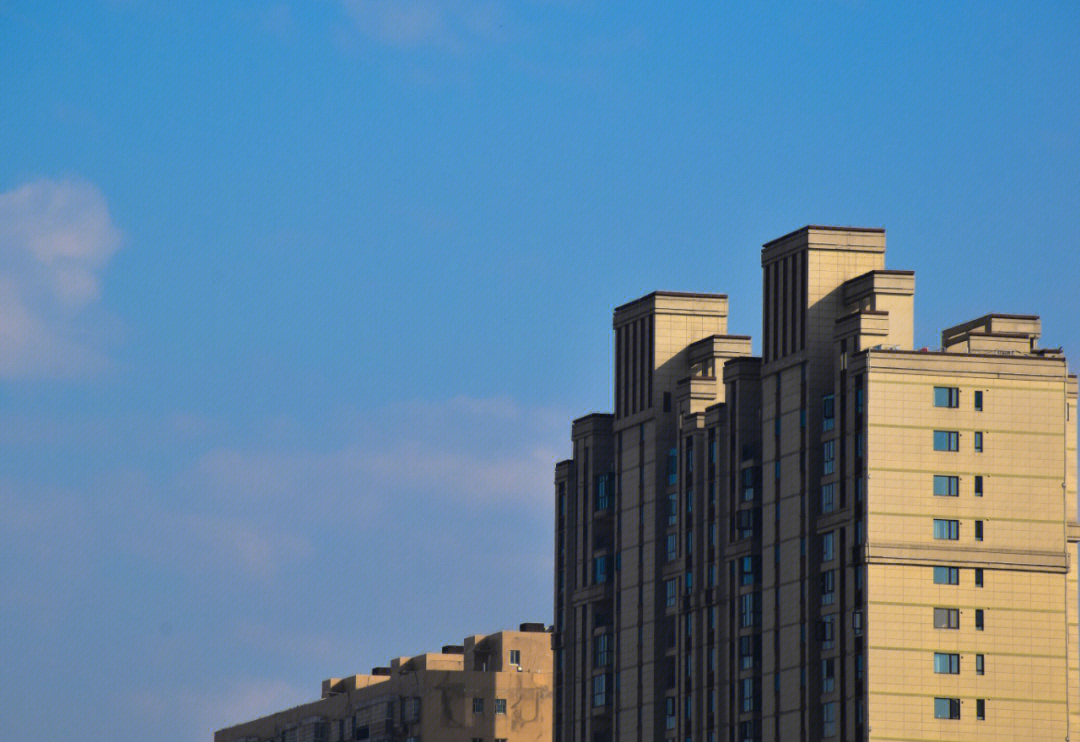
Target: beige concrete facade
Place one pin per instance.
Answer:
(491, 688)
(847, 538)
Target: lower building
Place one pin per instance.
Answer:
(494, 688)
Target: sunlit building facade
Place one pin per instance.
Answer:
(845, 537)
(494, 688)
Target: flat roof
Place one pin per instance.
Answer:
(685, 294)
(823, 228)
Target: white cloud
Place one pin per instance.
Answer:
(449, 25)
(201, 712)
(473, 451)
(302, 646)
(55, 239)
(259, 551)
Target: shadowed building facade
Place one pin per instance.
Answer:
(491, 688)
(845, 538)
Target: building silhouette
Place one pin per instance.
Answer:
(845, 538)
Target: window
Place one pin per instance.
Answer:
(750, 610)
(669, 712)
(600, 569)
(978, 530)
(978, 401)
(828, 457)
(946, 708)
(828, 719)
(711, 575)
(749, 731)
(749, 481)
(746, 522)
(946, 576)
(978, 577)
(828, 587)
(828, 675)
(946, 440)
(749, 651)
(978, 485)
(827, 629)
(746, 695)
(980, 709)
(978, 441)
(946, 618)
(689, 583)
(363, 732)
(828, 498)
(602, 650)
(673, 509)
(856, 622)
(828, 550)
(673, 466)
(478, 705)
(667, 402)
(980, 664)
(410, 709)
(672, 547)
(500, 705)
(946, 664)
(748, 570)
(946, 396)
(599, 691)
(946, 529)
(979, 619)
(858, 398)
(605, 485)
(515, 656)
(828, 412)
(946, 486)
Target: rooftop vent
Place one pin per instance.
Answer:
(453, 649)
(532, 627)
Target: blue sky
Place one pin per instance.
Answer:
(297, 300)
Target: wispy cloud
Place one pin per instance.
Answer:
(202, 711)
(472, 451)
(234, 541)
(447, 25)
(55, 240)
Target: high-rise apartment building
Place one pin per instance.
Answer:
(845, 538)
(494, 688)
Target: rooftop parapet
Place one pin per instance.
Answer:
(994, 333)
